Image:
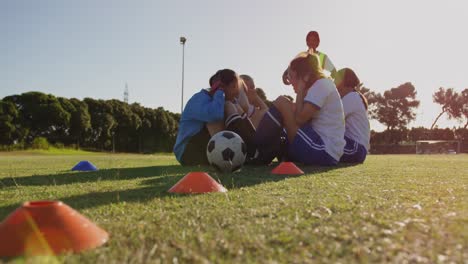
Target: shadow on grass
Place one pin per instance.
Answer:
(71, 177)
(159, 180)
(253, 175)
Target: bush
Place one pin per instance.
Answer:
(59, 145)
(40, 143)
(13, 147)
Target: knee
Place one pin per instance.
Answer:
(230, 108)
(282, 102)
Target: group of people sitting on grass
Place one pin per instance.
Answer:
(326, 124)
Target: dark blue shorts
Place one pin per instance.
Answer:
(353, 152)
(268, 136)
(309, 148)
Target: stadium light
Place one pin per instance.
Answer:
(182, 41)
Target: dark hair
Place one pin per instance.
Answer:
(313, 34)
(224, 77)
(306, 64)
(350, 79)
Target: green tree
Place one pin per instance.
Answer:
(396, 107)
(463, 102)
(40, 114)
(80, 122)
(103, 124)
(128, 124)
(449, 100)
(8, 116)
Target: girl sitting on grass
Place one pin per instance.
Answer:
(315, 123)
(203, 116)
(357, 133)
(208, 112)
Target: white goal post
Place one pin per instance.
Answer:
(438, 146)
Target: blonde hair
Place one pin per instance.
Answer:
(306, 64)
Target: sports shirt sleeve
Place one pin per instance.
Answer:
(317, 95)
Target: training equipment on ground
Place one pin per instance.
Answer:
(287, 168)
(84, 166)
(197, 182)
(48, 228)
(226, 151)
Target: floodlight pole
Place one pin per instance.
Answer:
(182, 41)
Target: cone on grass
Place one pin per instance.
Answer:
(84, 166)
(42, 228)
(287, 168)
(197, 182)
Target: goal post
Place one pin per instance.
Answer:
(438, 146)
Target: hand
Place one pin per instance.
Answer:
(301, 93)
(252, 96)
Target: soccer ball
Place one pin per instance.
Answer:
(226, 151)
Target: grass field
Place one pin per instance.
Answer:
(392, 208)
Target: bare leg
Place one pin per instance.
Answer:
(289, 120)
(230, 109)
(243, 100)
(215, 127)
(257, 116)
(261, 107)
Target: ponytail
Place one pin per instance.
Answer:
(306, 64)
(363, 98)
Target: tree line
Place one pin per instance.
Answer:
(396, 108)
(115, 125)
(89, 123)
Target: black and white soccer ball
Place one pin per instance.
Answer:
(226, 151)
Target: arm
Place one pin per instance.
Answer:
(204, 108)
(243, 97)
(328, 65)
(255, 100)
(304, 110)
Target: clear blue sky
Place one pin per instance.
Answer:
(92, 48)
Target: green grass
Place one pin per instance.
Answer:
(50, 151)
(392, 208)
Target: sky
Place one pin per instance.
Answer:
(93, 48)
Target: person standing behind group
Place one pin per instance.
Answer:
(357, 133)
(313, 41)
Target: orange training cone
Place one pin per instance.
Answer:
(47, 228)
(197, 182)
(287, 168)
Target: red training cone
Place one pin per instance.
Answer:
(287, 168)
(197, 182)
(48, 228)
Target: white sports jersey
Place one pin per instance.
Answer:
(357, 121)
(329, 121)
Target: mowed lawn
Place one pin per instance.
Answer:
(392, 208)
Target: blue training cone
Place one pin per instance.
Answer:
(84, 166)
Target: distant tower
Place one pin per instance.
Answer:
(126, 93)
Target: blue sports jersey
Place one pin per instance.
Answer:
(202, 108)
